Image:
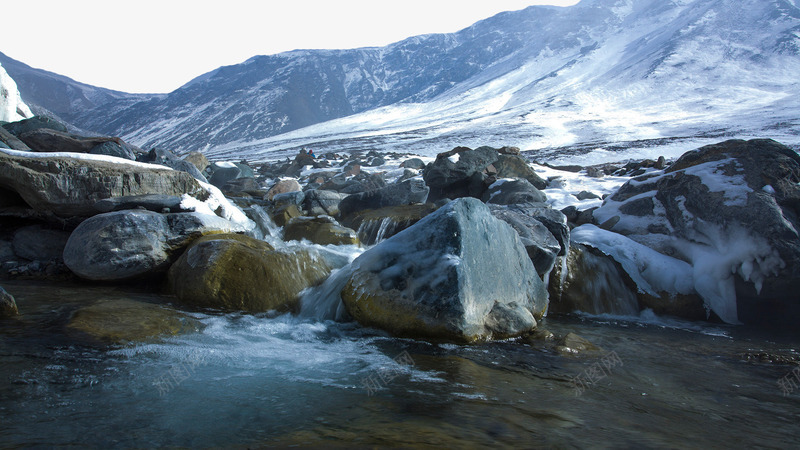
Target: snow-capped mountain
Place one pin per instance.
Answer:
(59, 95)
(592, 75)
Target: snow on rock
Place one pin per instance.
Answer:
(727, 210)
(12, 108)
(217, 205)
(653, 272)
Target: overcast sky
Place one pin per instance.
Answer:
(155, 46)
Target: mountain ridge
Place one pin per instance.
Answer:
(601, 70)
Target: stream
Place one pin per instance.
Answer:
(266, 380)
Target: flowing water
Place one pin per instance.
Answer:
(260, 380)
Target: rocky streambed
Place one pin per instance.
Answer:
(327, 299)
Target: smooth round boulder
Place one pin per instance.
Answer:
(128, 244)
(122, 321)
(232, 272)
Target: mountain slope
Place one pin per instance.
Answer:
(602, 71)
(59, 94)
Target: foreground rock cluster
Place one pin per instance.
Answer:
(463, 248)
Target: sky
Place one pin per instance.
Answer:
(155, 46)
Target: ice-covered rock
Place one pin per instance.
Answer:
(730, 210)
(12, 108)
(458, 274)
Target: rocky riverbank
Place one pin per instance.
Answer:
(472, 245)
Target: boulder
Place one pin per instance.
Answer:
(11, 141)
(37, 243)
(404, 193)
(622, 280)
(8, 306)
(539, 242)
(151, 202)
(413, 163)
(555, 221)
(289, 198)
(459, 173)
(167, 158)
(69, 187)
(586, 195)
(283, 186)
(319, 202)
(237, 273)
(130, 244)
(124, 321)
(115, 149)
(240, 186)
(34, 123)
(458, 274)
(47, 140)
(514, 166)
(361, 182)
(283, 214)
(197, 159)
(223, 172)
(322, 230)
(509, 191)
(730, 210)
(376, 225)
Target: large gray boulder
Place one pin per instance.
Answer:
(34, 123)
(48, 140)
(69, 187)
(555, 221)
(539, 242)
(461, 172)
(164, 157)
(509, 191)
(129, 244)
(730, 210)
(458, 274)
(514, 166)
(320, 202)
(407, 192)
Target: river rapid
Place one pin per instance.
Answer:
(266, 380)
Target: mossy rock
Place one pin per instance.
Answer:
(8, 306)
(321, 230)
(232, 272)
(284, 214)
(122, 321)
